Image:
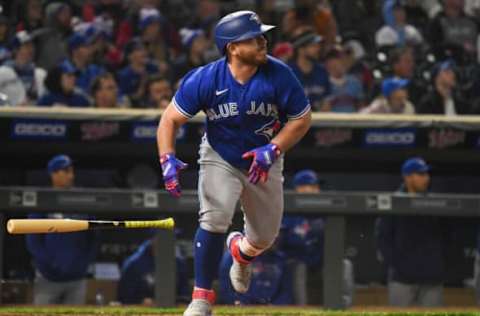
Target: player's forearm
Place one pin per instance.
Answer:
(170, 122)
(292, 132)
(167, 129)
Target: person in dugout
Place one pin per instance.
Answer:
(413, 248)
(303, 242)
(61, 260)
(137, 281)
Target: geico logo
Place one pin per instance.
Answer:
(391, 138)
(145, 132)
(31, 129)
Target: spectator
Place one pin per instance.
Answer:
(151, 35)
(98, 34)
(356, 65)
(283, 51)
(452, 29)
(417, 14)
(472, 8)
(5, 53)
(195, 44)
(403, 67)
(399, 33)
(52, 40)
(347, 94)
(60, 83)
(61, 260)
(12, 90)
(443, 99)
(105, 54)
(30, 14)
(359, 19)
(105, 91)
(403, 62)
(412, 247)
(309, 71)
(137, 282)
(325, 23)
(133, 78)
(159, 93)
(296, 20)
(80, 51)
(394, 99)
(31, 76)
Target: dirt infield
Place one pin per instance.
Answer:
(233, 311)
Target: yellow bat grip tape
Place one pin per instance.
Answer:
(167, 223)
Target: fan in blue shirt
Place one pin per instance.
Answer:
(60, 83)
(133, 78)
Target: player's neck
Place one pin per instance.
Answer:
(241, 72)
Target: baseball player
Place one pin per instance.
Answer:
(256, 110)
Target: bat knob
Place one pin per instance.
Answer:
(10, 226)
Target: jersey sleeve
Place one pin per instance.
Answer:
(188, 98)
(292, 98)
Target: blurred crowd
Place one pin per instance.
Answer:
(390, 56)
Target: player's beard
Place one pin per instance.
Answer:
(253, 58)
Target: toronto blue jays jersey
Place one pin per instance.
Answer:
(241, 117)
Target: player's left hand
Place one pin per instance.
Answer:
(263, 158)
(170, 167)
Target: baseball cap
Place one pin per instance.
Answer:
(306, 38)
(306, 176)
(392, 84)
(21, 38)
(59, 162)
(149, 16)
(282, 49)
(448, 64)
(189, 35)
(76, 40)
(67, 67)
(415, 165)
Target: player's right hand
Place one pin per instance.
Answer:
(171, 167)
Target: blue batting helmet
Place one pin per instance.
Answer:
(238, 26)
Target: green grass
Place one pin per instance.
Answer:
(221, 310)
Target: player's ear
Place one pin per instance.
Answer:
(230, 50)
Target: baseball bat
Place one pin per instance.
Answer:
(34, 226)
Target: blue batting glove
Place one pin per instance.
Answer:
(171, 167)
(263, 158)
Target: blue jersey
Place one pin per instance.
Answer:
(241, 117)
(129, 80)
(86, 76)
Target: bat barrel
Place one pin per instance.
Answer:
(32, 226)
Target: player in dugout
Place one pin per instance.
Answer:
(61, 261)
(413, 247)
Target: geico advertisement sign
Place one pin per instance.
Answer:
(39, 129)
(390, 137)
(148, 132)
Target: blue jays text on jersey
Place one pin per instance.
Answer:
(241, 117)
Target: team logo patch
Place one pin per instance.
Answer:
(270, 129)
(255, 18)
